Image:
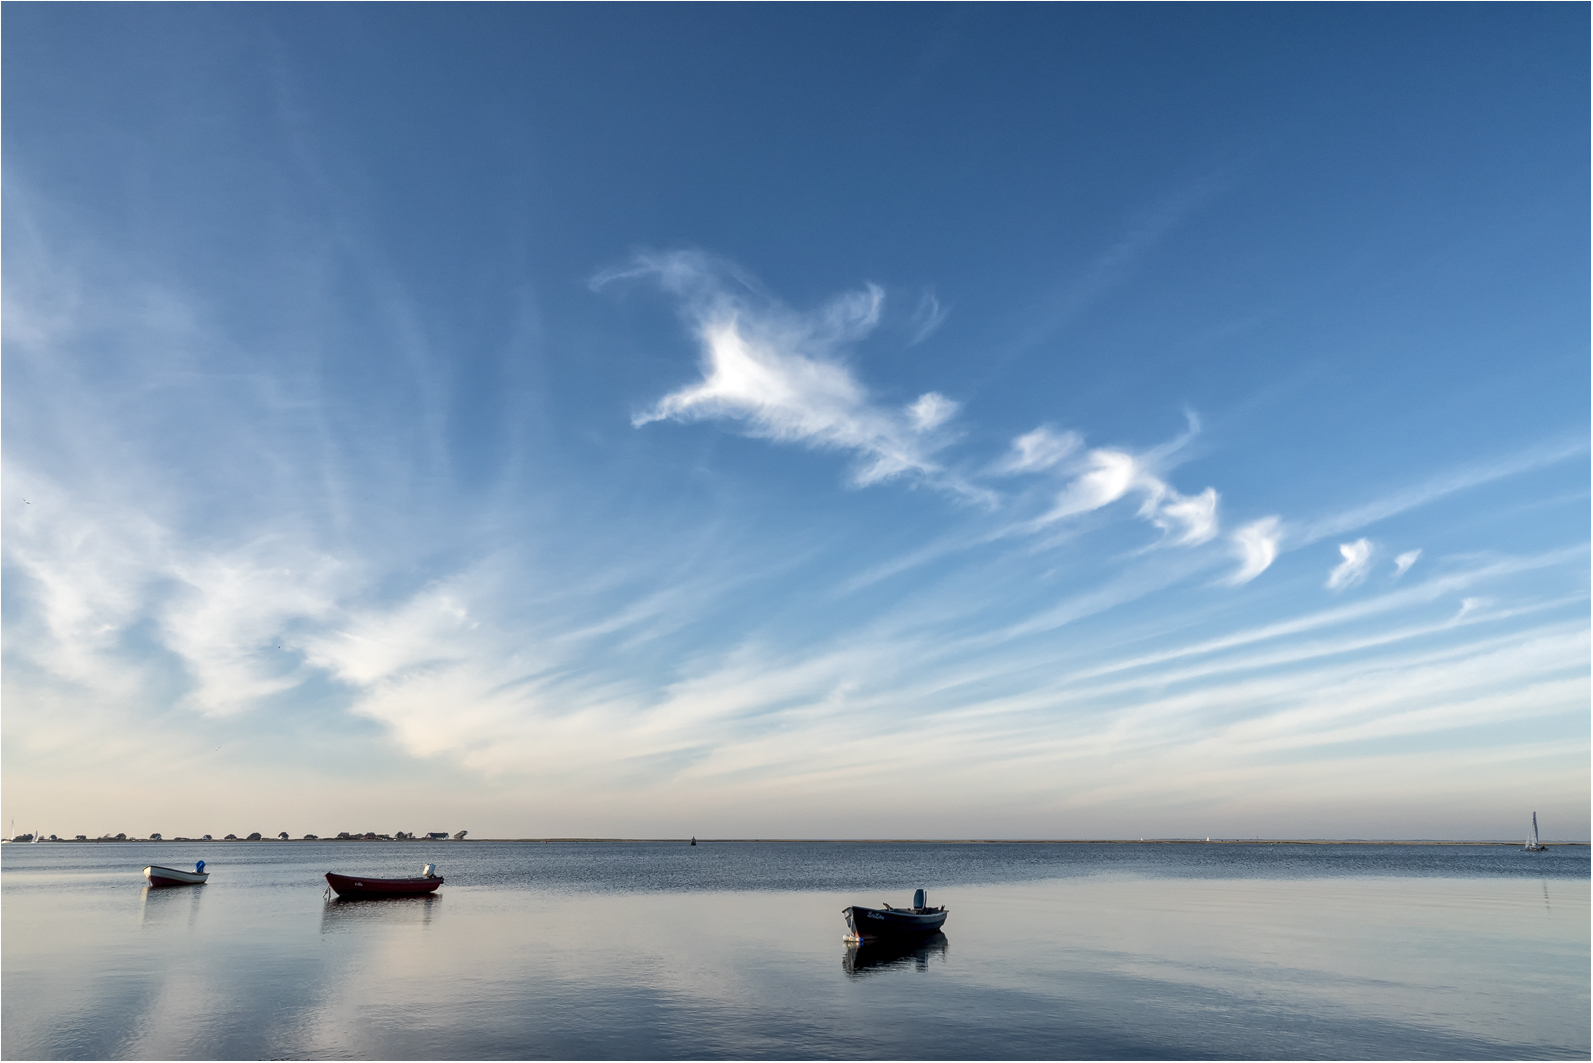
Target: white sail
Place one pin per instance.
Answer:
(1533, 845)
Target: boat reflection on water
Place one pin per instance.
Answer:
(163, 907)
(874, 955)
(340, 913)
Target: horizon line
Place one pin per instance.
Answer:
(821, 841)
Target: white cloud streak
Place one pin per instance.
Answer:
(1105, 475)
(1114, 265)
(1360, 611)
(1353, 569)
(782, 375)
(1257, 546)
(1038, 450)
(1448, 483)
(1294, 535)
(927, 318)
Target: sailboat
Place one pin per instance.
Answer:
(1533, 845)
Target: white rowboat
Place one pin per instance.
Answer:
(170, 876)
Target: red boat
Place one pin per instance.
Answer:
(356, 886)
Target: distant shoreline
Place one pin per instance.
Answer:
(1030, 841)
(796, 841)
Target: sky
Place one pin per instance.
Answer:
(1055, 421)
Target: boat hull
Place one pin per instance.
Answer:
(171, 876)
(871, 923)
(356, 886)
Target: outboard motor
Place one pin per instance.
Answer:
(199, 867)
(429, 871)
(918, 899)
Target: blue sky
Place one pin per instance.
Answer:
(926, 421)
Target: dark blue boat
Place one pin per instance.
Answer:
(918, 921)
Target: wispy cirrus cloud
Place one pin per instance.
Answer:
(1447, 483)
(1103, 475)
(1038, 450)
(927, 317)
(1353, 569)
(1257, 546)
(782, 374)
(1116, 263)
(1190, 519)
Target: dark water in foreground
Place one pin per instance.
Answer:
(656, 950)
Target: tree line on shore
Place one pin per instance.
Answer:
(343, 836)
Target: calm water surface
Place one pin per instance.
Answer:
(658, 950)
